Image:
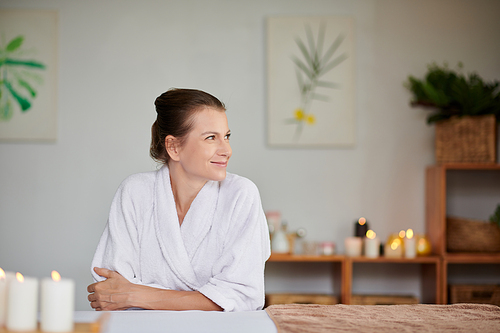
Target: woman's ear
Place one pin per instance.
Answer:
(172, 147)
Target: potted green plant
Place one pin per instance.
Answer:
(495, 217)
(465, 109)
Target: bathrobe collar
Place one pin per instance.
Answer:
(180, 243)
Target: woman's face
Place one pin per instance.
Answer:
(206, 150)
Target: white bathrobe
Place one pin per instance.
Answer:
(219, 250)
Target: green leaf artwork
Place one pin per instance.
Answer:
(18, 78)
(314, 64)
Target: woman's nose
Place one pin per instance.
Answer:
(225, 149)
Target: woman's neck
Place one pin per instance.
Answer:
(184, 189)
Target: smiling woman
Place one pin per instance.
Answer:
(189, 236)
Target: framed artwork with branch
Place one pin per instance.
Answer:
(28, 75)
(311, 88)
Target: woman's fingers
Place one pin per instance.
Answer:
(110, 294)
(104, 272)
(91, 287)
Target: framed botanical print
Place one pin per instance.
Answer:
(311, 88)
(28, 75)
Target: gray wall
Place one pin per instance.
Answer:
(115, 57)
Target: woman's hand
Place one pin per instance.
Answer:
(117, 293)
(110, 294)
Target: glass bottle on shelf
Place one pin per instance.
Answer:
(280, 242)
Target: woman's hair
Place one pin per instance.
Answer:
(175, 116)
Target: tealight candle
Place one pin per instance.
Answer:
(410, 245)
(372, 244)
(353, 246)
(424, 247)
(58, 303)
(22, 303)
(393, 249)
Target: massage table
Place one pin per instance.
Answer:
(305, 318)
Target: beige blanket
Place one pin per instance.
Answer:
(300, 318)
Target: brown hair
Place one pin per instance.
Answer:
(175, 116)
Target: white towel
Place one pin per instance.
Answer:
(219, 250)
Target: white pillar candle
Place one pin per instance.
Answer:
(5, 277)
(410, 245)
(3, 298)
(58, 304)
(22, 304)
(353, 246)
(372, 245)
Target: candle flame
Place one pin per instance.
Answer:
(56, 276)
(19, 277)
(409, 233)
(2, 274)
(402, 234)
(371, 234)
(362, 221)
(395, 244)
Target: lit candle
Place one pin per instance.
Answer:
(3, 297)
(424, 247)
(360, 227)
(372, 244)
(393, 249)
(353, 246)
(410, 245)
(402, 235)
(58, 304)
(22, 303)
(5, 277)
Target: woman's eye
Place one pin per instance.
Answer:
(227, 136)
(211, 137)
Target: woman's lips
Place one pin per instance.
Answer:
(220, 164)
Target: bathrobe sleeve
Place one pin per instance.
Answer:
(118, 248)
(237, 282)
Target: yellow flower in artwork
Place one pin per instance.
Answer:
(299, 114)
(310, 119)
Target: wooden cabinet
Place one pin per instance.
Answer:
(436, 181)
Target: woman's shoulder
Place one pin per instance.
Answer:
(235, 183)
(138, 184)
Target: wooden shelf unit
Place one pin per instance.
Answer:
(435, 204)
(434, 268)
(431, 272)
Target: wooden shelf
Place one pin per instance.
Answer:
(435, 221)
(434, 283)
(279, 257)
(472, 258)
(468, 166)
(435, 194)
(417, 260)
(344, 271)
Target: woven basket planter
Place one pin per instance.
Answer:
(465, 235)
(483, 294)
(467, 139)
